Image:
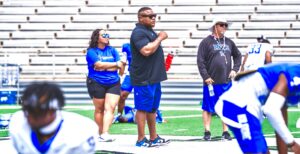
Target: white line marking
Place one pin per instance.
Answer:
(182, 116)
(268, 135)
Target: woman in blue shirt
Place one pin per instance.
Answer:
(103, 81)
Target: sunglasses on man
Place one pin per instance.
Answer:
(105, 35)
(150, 16)
(223, 25)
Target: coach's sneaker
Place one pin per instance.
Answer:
(207, 136)
(226, 136)
(105, 137)
(143, 143)
(159, 141)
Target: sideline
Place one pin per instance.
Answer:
(179, 144)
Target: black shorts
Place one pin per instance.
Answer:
(97, 90)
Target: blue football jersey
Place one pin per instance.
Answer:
(271, 73)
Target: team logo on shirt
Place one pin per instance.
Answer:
(105, 58)
(218, 47)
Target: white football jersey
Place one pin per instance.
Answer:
(256, 55)
(77, 135)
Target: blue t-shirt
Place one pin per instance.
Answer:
(126, 49)
(271, 74)
(108, 54)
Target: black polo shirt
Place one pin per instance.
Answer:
(145, 70)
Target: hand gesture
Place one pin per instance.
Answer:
(163, 35)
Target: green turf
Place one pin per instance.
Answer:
(191, 126)
(6, 111)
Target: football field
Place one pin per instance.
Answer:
(183, 127)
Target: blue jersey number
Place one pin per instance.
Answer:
(255, 49)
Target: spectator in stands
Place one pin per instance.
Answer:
(257, 54)
(147, 70)
(42, 127)
(214, 58)
(103, 81)
(267, 91)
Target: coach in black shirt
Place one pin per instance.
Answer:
(147, 70)
(214, 59)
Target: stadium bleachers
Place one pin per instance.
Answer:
(52, 35)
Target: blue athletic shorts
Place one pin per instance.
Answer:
(126, 84)
(208, 103)
(250, 136)
(147, 98)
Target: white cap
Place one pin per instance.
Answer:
(217, 20)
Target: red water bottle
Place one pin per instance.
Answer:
(169, 61)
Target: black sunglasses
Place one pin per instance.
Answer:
(150, 16)
(223, 25)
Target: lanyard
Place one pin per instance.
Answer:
(222, 47)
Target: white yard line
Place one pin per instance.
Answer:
(271, 135)
(183, 116)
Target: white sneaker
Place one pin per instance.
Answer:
(105, 137)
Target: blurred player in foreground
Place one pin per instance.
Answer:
(41, 126)
(257, 54)
(267, 91)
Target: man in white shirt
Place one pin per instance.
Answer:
(41, 126)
